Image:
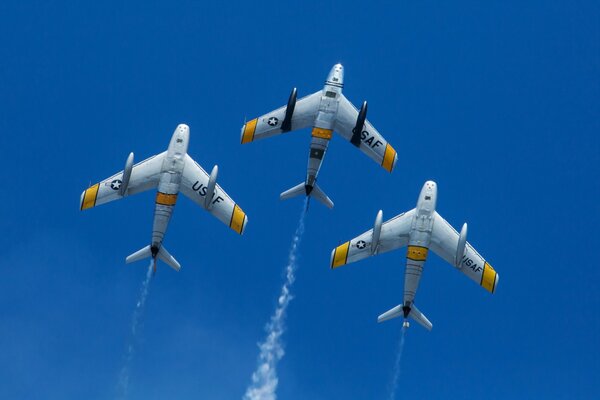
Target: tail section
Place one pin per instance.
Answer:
(412, 312)
(139, 255)
(303, 189)
(168, 259)
(321, 196)
(162, 254)
(293, 192)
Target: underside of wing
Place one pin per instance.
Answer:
(142, 176)
(296, 115)
(367, 139)
(203, 190)
(445, 242)
(392, 234)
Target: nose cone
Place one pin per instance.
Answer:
(336, 75)
(180, 140)
(183, 128)
(430, 186)
(182, 132)
(428, 196)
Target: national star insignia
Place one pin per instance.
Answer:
(361, 244)
(273, 121)
(116, 184)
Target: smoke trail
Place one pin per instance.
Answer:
(264, 378)
(396, 370)
(136, 320)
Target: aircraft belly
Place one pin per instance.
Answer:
(412, 276)
(162, 216)
(318, 148)
(416, 255)
(166, 198)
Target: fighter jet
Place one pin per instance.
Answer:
(326, 111)
(171, 171)
(421, 229)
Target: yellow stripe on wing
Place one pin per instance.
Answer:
(249, 130)
(488, 278)
(89, 197)
(388, 158)
(341, 255)
(238, 218)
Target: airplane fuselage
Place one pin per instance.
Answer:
(418, 243)
(168, 186)
(324, 123)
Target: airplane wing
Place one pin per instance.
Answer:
(195, 186)
(371, 141)
(144, 176)
(270, 124)
(444, 243)
(394, 234)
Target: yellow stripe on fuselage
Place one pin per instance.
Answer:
(89, 197)
(388, 158)
(237, 219)
(488, 278)
(249, 130)
(166, 199)
(417, 253)
(322, 133)
(341, 255)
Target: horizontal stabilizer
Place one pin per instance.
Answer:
(301, 189)
(420, 318)
(393, 313)
(318, 194)
(163, 255)
(414, 314)
(139, 255)
(293, 192)
(168, 259)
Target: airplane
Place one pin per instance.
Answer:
(421, 229)
(326, 111)
(171, 172)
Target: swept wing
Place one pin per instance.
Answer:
(195, 185)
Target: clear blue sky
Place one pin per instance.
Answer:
(499, 102)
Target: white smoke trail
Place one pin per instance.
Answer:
(136, 320)
(397, 364)
(264, 378)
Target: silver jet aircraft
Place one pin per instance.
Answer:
(326, 111)
(171, 172)
(421, 229)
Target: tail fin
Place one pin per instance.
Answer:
(300, 189)
(139, 255)
(168, 259)
(163, 255)
(321, 196)
(293, 192)
(414, 314)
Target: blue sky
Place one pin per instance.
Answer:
(498, 102)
